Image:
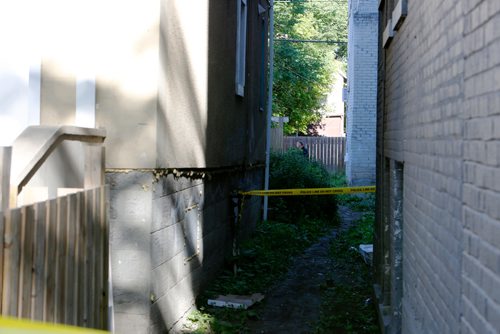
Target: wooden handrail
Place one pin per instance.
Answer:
(35, 144)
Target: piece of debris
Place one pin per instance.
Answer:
(366, 251)
(236, 301)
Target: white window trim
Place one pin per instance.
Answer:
(388, 34)
(399, 14)
(241, 45)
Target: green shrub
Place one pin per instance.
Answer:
(291, 170)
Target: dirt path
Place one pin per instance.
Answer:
(293, 305)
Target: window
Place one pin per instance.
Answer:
(394, 11)
(399, 14)
(241, 41)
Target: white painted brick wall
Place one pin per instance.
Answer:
(442, 118)
(362, 94)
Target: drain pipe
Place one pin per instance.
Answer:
(269, 104)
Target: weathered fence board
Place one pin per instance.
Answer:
(327, 150)
(53, 260)
(2, 247)
(50, 278)
(38, 297)
(5, 161)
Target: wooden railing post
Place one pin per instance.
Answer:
(94, 166)
(5, 163)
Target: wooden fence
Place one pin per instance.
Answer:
(54, 260)
(277, 139)
(329, 151)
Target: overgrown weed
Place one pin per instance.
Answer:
(267, 256)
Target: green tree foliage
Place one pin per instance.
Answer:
(303, 71)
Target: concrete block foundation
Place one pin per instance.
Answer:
(169, 236)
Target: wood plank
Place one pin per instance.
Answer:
(326, 152)
(342, 153)
(329, 158)
(106, 264)
(61, 255)
(335, 155)
(5, 163)
(2, 247)
(27, 257)
(317, 151)
(77, 281)
(82, 260)
(50, 262)
(329, 151)
(326, 161)
(90, 252)
(339, 154)
(12, 259)
(331, 154)
(38, 287)
(322, 150)
(70, 299)
(93, 166)
(333, 161)
(55, 260)
(99, 255)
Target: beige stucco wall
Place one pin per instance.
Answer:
(121, 52)
(183, 90)
(126, 82)
(164, 80)
(201, 120)
(57, 94)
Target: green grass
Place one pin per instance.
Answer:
(359, 202)
(347, 305)
(266, 257)
(263, 260)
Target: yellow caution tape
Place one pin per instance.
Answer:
(23, 326)
(310, 191)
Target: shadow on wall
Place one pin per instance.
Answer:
(201, 124)
(182, 108)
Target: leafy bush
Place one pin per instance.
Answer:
(291, 170)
